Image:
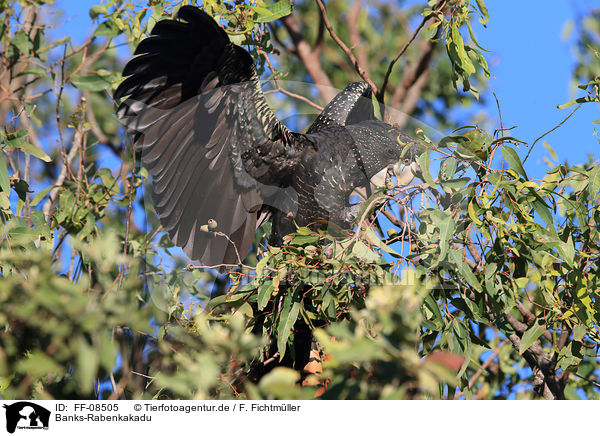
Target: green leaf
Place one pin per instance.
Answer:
(423, 162)
(287, 319)
(454, 184)
(157, 11)
(40, 195)
(37, 364)
(508, 139)
(478, 143)
(490, 278)
(304, 240)
(483, 10)
(372, 237)
(579, 332)
(87, 366)
(93, 81)
(579, 100)
(109, 181)
(550, 150)
(445, 223)
(472, 214)
(594, 184)
(568, 251)
(264, 295)
(271, 13)
(571, 393)
(260, 266)
(107, 28)
(511, 156)
(4, 204)
(457, 258)
(17, 140)
(34, 151)
(97, 10)
(580, 211)
(542, 209)
(531, 335)
(458, 45)
(39, 221)
(280, 382)
(448, 169)
(4, 179)
(362, 251)
(436, 316)
(22, 42)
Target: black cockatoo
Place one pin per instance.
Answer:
(219, 158)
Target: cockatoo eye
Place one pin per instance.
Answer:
(406, 161)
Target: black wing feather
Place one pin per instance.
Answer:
(206, 135)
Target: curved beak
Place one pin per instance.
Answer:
(405, 173)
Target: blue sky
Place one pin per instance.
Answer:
(532, 67)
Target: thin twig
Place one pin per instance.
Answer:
(66, 168)
(380, 94)
(359, 69)
(97, 131)
(354, 33)
(279, 88)
(552, 130)
(128, 221)
(485, 364)
(119, 389)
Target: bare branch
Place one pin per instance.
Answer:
(359, 69)
(529, 318)
(128, 220)
(309, 58)
(414, 77)
(552, 130)
(381, 93)
(66, 168)
(539, 361)
(318, 46)
(484, 366)
(96, 130)
(285, 91)
(411, 100)
(355, 35)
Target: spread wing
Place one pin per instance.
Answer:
(207, 136)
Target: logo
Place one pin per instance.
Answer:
(26, 415)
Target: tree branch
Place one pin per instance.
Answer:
(309, 58)
(407, 94)
(279, 88)
(380, 95)
(539, 361)
(354, 32)
(96, 130)
(318, 46)
(359, 69)
(68, 160)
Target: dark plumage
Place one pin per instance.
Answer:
(216, 151)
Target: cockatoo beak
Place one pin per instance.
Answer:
(405, 173)
(379, 179)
